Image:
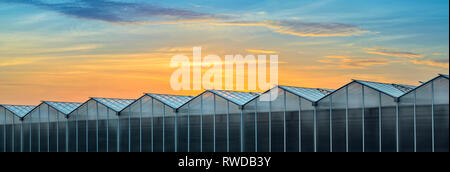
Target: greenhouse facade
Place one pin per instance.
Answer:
(11, 127)
(361, 116)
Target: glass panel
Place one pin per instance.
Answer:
(25, 136)
(194, 128)
(2, 129)
(249, 127)
(92, 116)
(441, 115)
(158, 112)
(62, 122)
(208, 122)
(82, 128)
(263, 126)
(277, 115)
(406, 123)
(73, 131)
(339, 120)
(169, 129)
(146, 124)
(182, 132)
(292, 122)
(307, 124)
(135, 126)
(53, 129)
(124, 136)
(44, 129)
(371, 115)
(235, 128)
(9, 132)
(113, 127)
(388, 130)
(423, 114)
(355, 105)
(323, 126)
(33, 119)
(221, 124)
(102, 128)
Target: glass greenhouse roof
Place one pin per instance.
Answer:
(239, 98)
(115, 104)
(64, 107)
(19, 110)
(173, 101)
(311, 94)
(394, 90)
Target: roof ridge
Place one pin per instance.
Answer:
(112, 98)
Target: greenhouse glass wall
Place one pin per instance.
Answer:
(425, 117)
(287, 123)
(361, 116)
(11, 127)
(151, 124)
(364, 116)
(95, 126)
(45, 128)
(214, 122)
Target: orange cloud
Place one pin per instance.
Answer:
(385, 52)
(443, 64)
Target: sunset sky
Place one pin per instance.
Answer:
(70, 50)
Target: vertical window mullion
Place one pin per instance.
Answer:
(164, 129)
(415, 122)
(189, 127)
(363, 119)
(96, 127)
(256, 125)
(214, 123)
(432, 117)
(284, 122)
(299, 124)
(228, 126)
(380, 136)
(346, 118)
(140, 125)
(331, 123)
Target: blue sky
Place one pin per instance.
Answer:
(128, 43)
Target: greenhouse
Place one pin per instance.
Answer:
(95, 126)
(11, 127)
(45, 128)
(150, 123)
(287, 122)
(424, 117)
(361, 116)
(213, 122)
(364, 117)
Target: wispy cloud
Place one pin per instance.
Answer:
(337, 57)
(304, 29)
(262, 51)
(119, 12)
(386, 52)
(435, 63)
(353, 63)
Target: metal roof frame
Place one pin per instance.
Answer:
(4, 106)
(354, 81)
(211, 91)
(283, 87)
(425, 83)
(95, 99)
